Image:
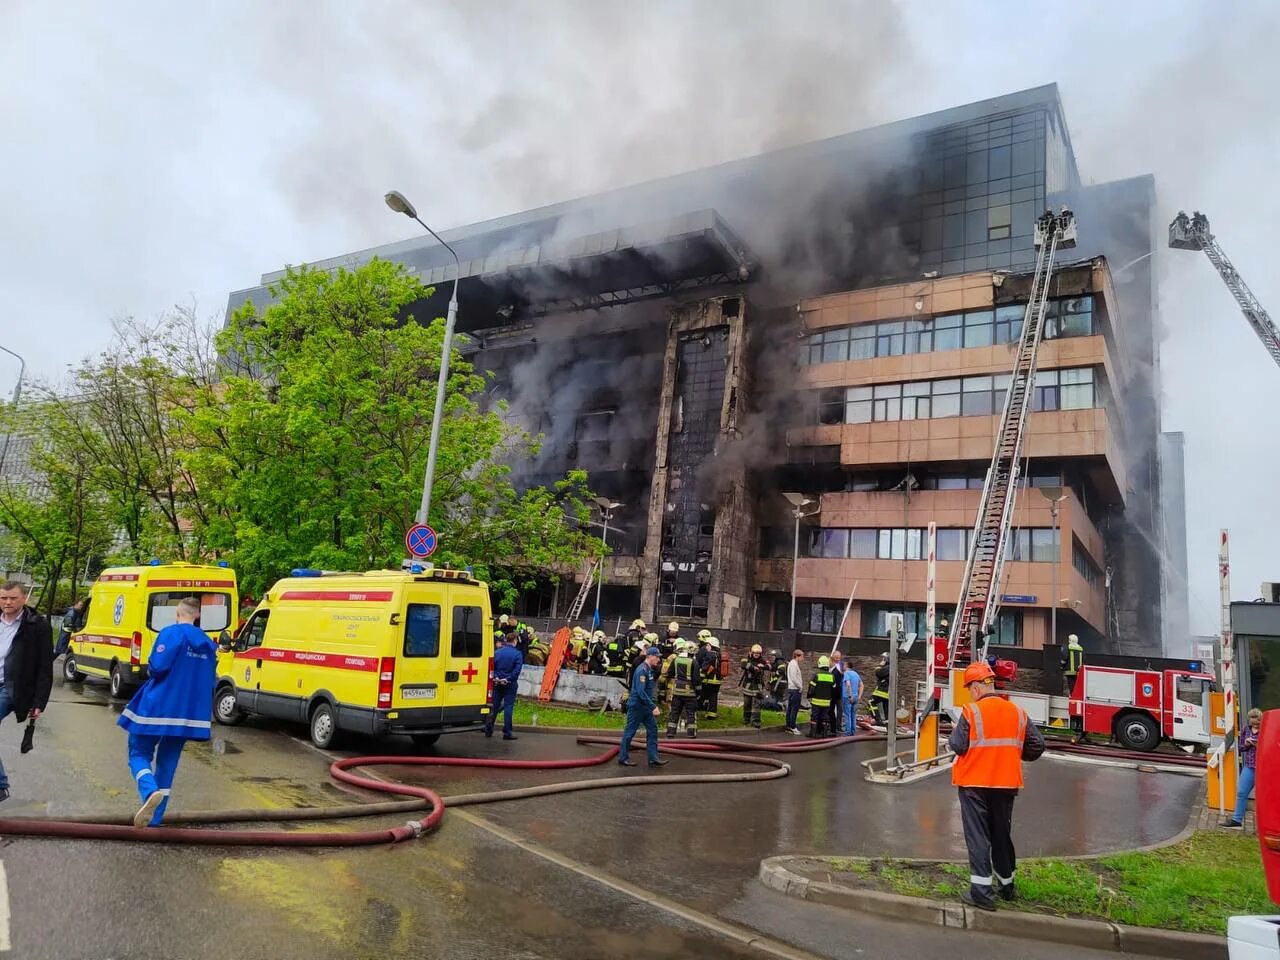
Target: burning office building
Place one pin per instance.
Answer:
(780, 370)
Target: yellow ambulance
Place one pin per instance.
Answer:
(387, 651)
(128, 606)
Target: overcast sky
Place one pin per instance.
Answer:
(157, 153)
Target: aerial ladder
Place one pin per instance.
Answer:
(979, 601)
(1192, 233)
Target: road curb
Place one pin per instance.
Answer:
(776, 874)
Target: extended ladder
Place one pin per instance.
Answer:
(580, 601)
(980, 587)
(1192, 233)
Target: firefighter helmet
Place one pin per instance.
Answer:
(651, 637)
(673, 627)
(637, 624)
(598, 635)
(823, 663)
(703, 636)
(977, 673)
(713, 642)
(756, 648)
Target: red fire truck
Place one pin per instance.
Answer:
(1139, 708)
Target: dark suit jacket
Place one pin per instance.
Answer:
(28, 668)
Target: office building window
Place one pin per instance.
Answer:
(1067, 317)
(1084, 564)
(967, 396)
(1034, 544)
(875, 619)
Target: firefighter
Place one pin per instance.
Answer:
(639, 653)
(668, 644)
(709, 666)
(990, 740)
(635, 632)
(615, 658)
(880, 695)
(596, 658)
(778, 689)
(577, 652)
(821, 692)
(685, 682)
(753, 683)
(1072, 661)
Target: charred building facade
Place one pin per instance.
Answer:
(834, 320)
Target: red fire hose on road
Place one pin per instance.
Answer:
(121, 828)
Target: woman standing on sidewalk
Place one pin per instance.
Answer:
(1248, 769)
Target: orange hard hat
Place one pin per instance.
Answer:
(977, 672)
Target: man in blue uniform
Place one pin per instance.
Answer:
(172, 707)
(507, 662)
(642, 709)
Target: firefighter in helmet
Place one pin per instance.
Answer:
(685, 682)
(596, 657)
(616, 658)
(1072, 661)
(753, 683)
(709, 663)
(635, 632)
(880, 695)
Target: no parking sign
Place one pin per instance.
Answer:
(420, 541)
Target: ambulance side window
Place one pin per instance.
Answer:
(422, 630)
(468, 635)
(254, 631)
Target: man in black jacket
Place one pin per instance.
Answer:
(26, 661)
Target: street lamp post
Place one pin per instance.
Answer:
(400, 204)
(17, 395)
(1055, 495)
(798, 502)
(607, 507)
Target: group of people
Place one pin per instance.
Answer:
(834, 693)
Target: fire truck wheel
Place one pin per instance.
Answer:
(1137, 731)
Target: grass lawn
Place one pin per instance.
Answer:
(561, 716)
(1193, 885)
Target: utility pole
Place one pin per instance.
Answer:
(1055, 495)
(798, 503)
(17, 395)
(1227, 674)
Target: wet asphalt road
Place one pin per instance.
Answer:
(466, 891)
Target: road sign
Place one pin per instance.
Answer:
(421, 540)
(1017, 598)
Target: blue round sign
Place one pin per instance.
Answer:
(420, 541)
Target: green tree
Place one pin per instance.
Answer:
(310, 450)
(51, 512)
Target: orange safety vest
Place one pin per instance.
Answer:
(997, 730)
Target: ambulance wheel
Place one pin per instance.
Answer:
(225, 709)
(1137, 731)
(69, 671)
(116, 682)
(424, 740)
(324, 726)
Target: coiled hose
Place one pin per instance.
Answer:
(421, 798)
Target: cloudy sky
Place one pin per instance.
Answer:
(158, 153)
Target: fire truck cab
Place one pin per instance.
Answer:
(1140, 708)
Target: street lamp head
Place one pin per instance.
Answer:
(605, 504)
(398, 202)
(799, 499)
(1053, 494)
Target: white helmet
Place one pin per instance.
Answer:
(598, 635)
(704, 635)
(714, 642)
(673, 627)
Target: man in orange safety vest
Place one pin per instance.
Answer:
(990, 741)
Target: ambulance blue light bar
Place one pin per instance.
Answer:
(305, 572)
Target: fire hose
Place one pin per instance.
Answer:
(421, 798)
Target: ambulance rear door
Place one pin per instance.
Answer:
(419, 666)
(468, 645)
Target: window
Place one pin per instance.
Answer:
(1007, 630)
(887, 402)
(900, 544)
(819, 616)
(1064, 390)
(1008, 326)
(1076, 388)
(976, 397)
(422, 630)
(977, 328)
(831, 406)
(951, 544)
(1189, 690)
(958, 482)
(946, 398)
(1069, 317)
(1084, 564)
(833, 544)
(862, 544)
(1044, 545)
(254, 631)
(468, 632)
(857, 407)
(948, 332)
(915, 401)
(215, 609)
(875, 619)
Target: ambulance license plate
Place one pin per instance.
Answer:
(417, 693)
